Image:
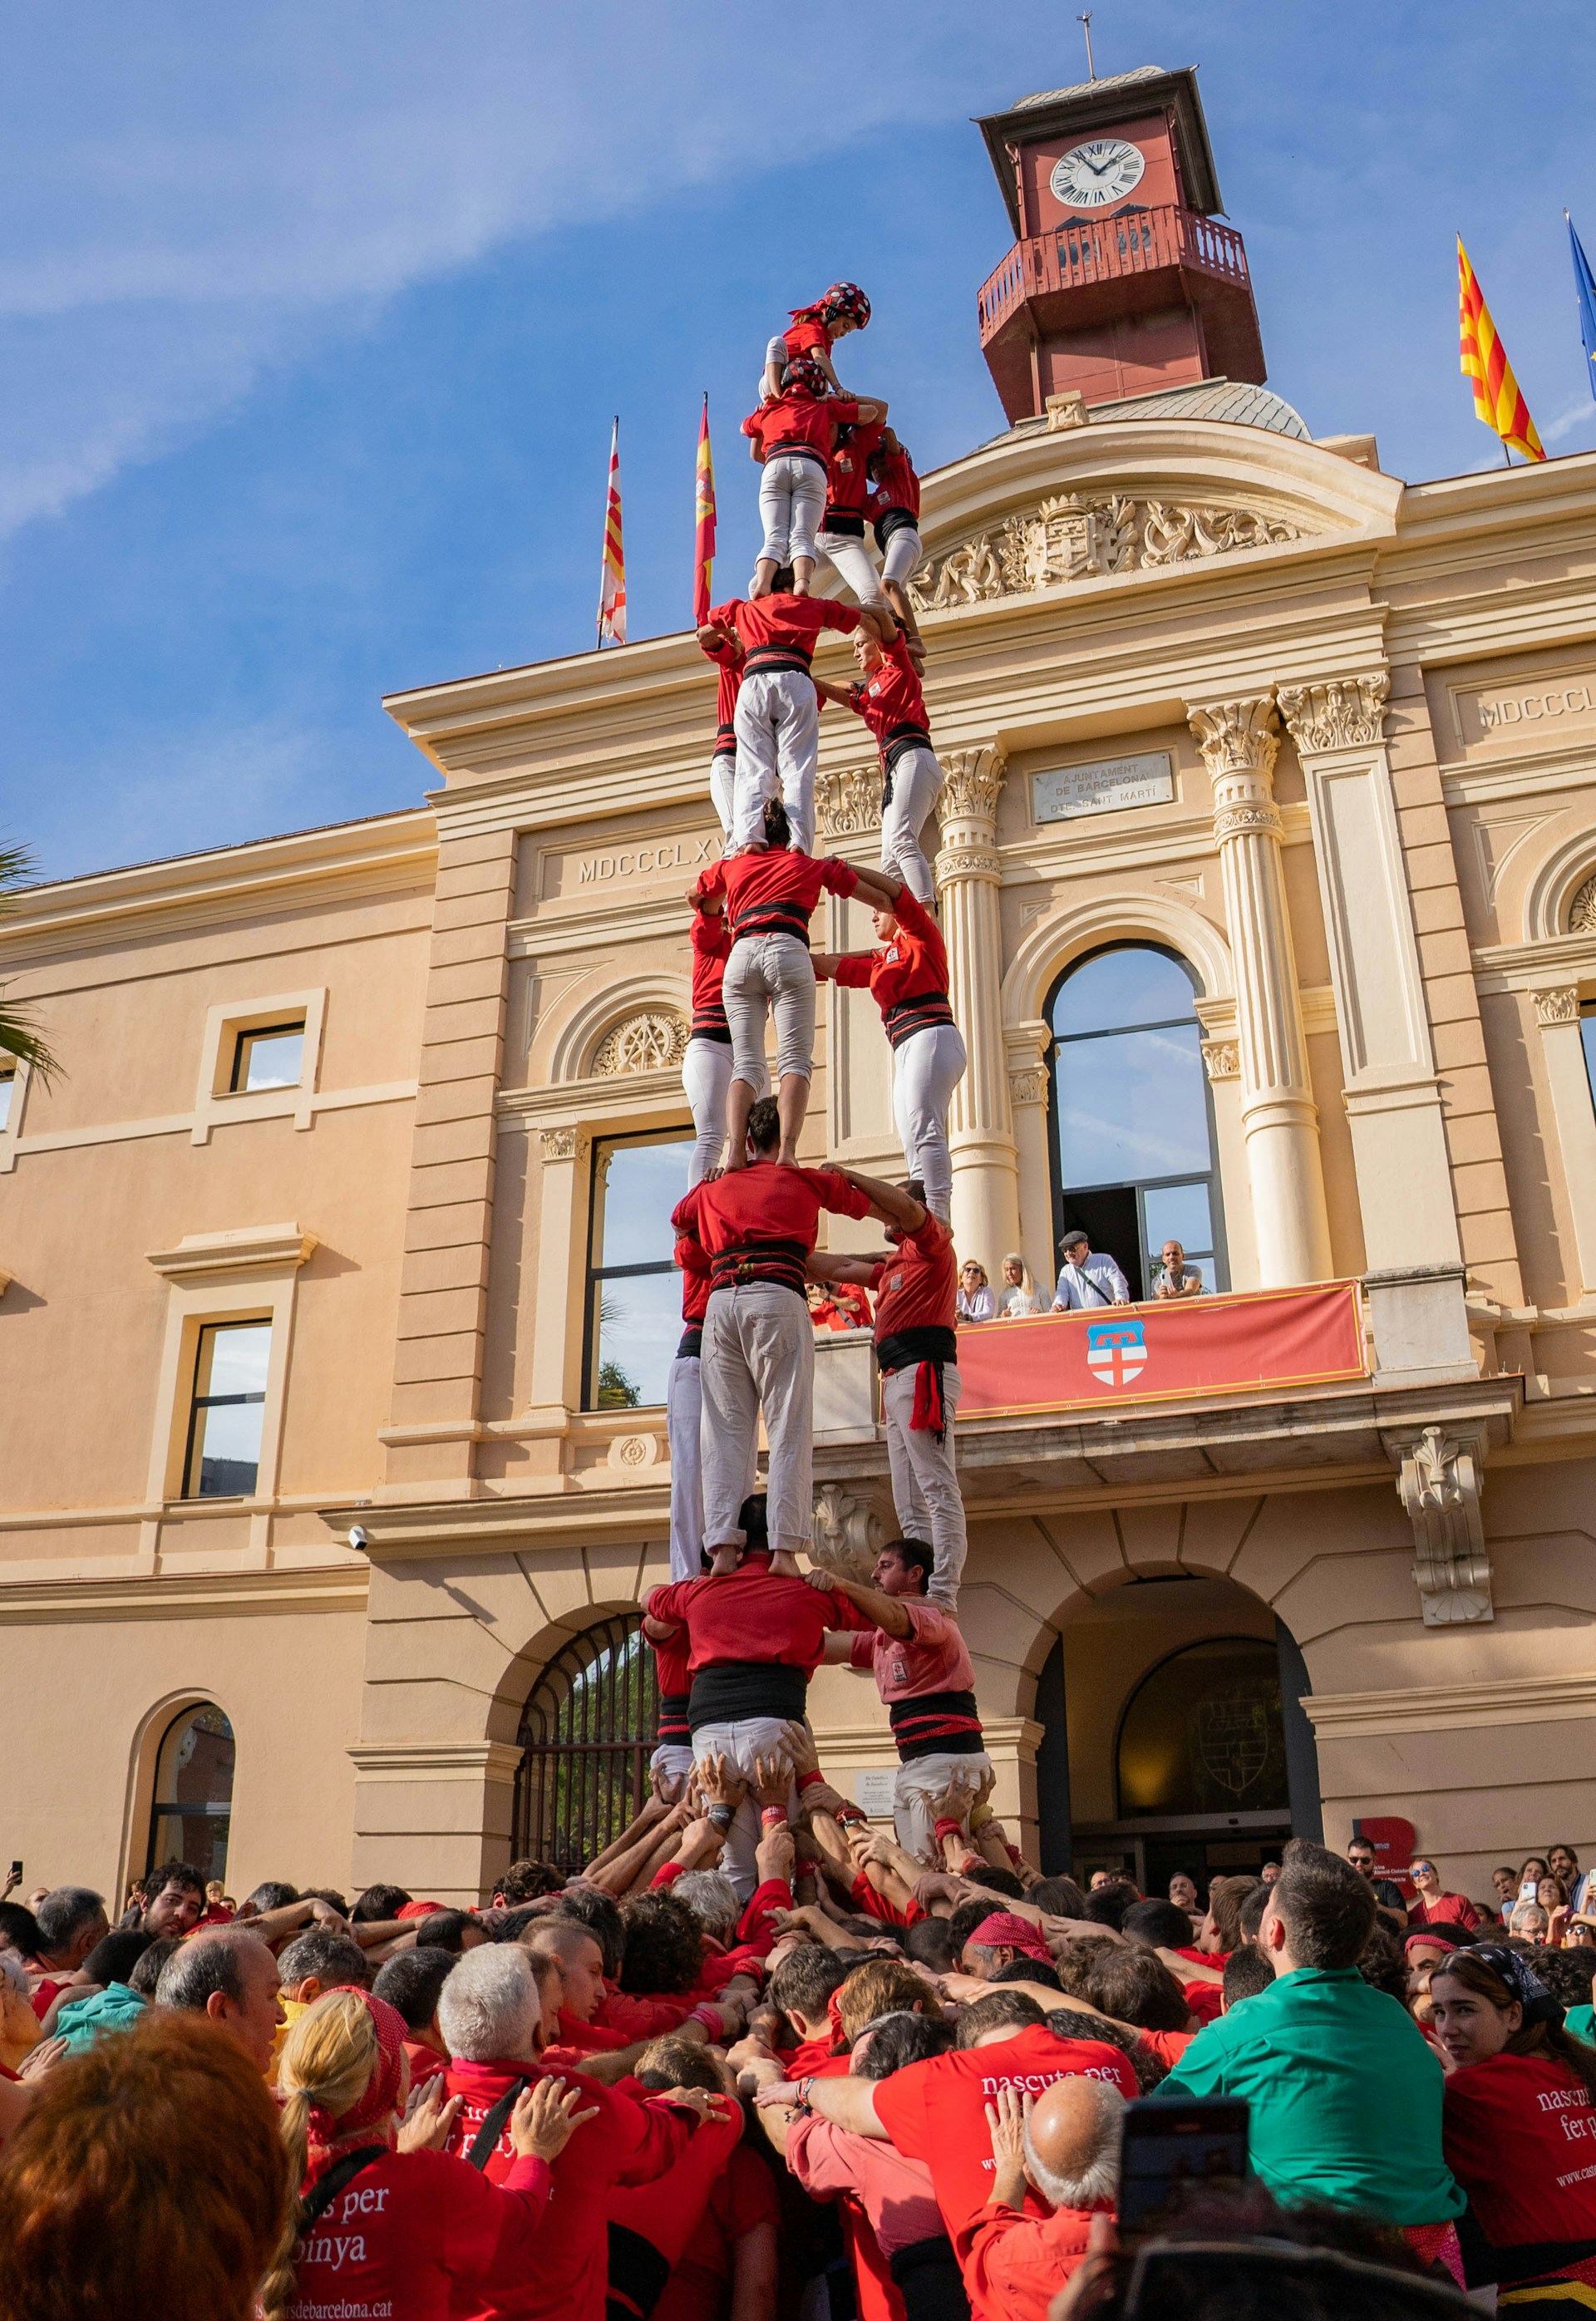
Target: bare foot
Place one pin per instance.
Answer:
(786, 1158)
(784, 1564)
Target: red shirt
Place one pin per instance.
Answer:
(782, 621)
(849, 485)
(798, 417)
(666, 2213)
(1447, 1909)
(1519, 2132)
(913, 966)
(695, 1279)
(641, 2016)
(763, 1203)
(425, 2063)
(628, 2143)
(774, 892)
(935, 2111)
(917, 1288)
(1016, 2264)
(897, 485)
(935, 1659)
(670, 1665)
(421, 2233)
(755, 1615)
(742, 2197)
(1205, 2000)
(712, 946)
(728, 659)
(807, 333)
(891, 695)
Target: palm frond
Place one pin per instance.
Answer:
(20, 1035)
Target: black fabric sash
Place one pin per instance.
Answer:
(891, 519)
(341, 2172)
(691, 1348)
(493, 2126)
(926, 2276)
(710, 1024)
(906, 1348)
(773, 1264)
(674, 1725)
(920, 1014)
(797, 451)
(937, 1724)
(844, 522)
(734, 1690)
(773, 919)
(767, 657)
(637, 2271)
(1510, 2268)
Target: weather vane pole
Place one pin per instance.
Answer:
(1085, 23)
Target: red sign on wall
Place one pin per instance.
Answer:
(1161, 1353)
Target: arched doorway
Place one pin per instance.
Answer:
(1174, 1736)
(191, 1803)
(587, 1735)
(1133, 1134)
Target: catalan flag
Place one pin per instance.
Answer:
(612, 592)
(703, 520)
(1484, 359)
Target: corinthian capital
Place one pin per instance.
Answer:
(846, 804)
(972, 784)
(1339, 715)
(1236, 737)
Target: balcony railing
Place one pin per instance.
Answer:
(1107, 250)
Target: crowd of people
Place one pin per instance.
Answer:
(890, 2081)
(753, 2059)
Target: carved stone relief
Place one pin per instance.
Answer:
(1027, 1086)
(1439, 1486)
(848, 1532)
(654, 1041)
(562, 1144)
(1223, 1058)
(1084, 536)
(973, 783)
(1236, 737)
(1340, 715)
(1559, 1006)
(849, 803)
(1581, 910)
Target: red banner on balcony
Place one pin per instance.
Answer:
(1240, 1344)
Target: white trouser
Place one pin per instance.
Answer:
(740, 1742)
(723, 787)
(778, 723)
(759, 1354)
(770, 974)
(684, 1412)
(926, 1068)
(902, 554)
(917, 1782)
(925, 1485)
(674, 1758)
(854, 561)
(917, 784)
(791, 503)
(706, 1076)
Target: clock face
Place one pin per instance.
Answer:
(1102, 171)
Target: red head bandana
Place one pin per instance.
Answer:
(1003, 1931)
(382, 2089)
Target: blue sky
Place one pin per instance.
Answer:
(313, 318)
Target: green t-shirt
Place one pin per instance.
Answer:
(1346, 2095)
(1580, 2023)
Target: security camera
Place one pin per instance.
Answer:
(358, 1539)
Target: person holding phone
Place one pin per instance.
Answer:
(1432, 1907)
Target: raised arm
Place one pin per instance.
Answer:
(893, 1206)
(842, 695)
(879, 885)
(886, 1611)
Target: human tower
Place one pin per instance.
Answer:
(738, 1633)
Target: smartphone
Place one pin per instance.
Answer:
(1529, 1891)
(16, 1873)
(1166, 2147)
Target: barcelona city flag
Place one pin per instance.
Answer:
(1483, 359)
(612, 592)
(1584, 283)
(703, 520)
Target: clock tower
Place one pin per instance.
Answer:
(1122, 279)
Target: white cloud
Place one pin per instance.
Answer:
(185, 199)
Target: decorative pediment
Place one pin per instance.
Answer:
(1087, 536)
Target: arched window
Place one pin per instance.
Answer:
(1133, 1128)
(192, 1807)
(1204, 1733)
(587, 1735)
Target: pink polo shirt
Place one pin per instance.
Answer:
(934, 1659)
(895, 2193)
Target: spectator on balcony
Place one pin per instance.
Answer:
(1018, 1298)
(975, 1302)
(1176, 1278)
(1088, 1279)
(1553, 1897)
(1564, 1862)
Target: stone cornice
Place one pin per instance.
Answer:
(495, 1762)
(305, 868)
(170, 1596)
(246, 1249)
(1521, 1701)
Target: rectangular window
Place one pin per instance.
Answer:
(7, 1091)
(228, 1410)
(270, 1056)
(633, 1311)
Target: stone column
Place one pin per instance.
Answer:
(1238, 741)
(980, 1133)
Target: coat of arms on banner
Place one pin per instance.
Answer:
(1232, 1735)
(1116, 1351)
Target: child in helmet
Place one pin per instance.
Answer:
(813, 331)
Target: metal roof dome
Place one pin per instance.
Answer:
(1210, 399)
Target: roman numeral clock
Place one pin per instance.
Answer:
(1103, 169)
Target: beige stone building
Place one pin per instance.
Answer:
(336, 1294)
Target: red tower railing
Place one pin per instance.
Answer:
(1106, 250)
